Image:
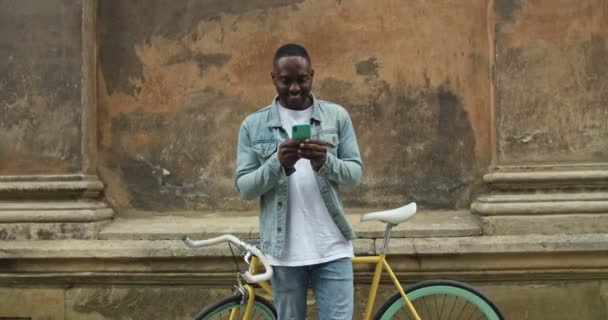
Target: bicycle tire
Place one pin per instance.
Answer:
(262, 309)
(426, 296)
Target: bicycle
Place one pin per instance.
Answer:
(434, 299)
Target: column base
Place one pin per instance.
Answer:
(52, 207)
(544, 200)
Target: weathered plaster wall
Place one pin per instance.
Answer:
(40, 86)
(176, 78)
(555, 300)
(552, 81)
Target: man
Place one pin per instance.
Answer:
(303, 229)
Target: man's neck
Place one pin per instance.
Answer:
(307, 104)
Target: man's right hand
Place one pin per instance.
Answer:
(288, 153)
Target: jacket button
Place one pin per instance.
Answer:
(280, 204)
(279, 229)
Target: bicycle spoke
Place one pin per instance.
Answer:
(442, 307)
(464, 305)
(475, 314)
(472, 311)
(452, 309)
(442, 304)
(436, 304)
(418, 308)
(481, 317)
(426, 307)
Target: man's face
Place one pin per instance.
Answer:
(292, 77)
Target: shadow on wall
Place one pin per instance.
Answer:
(417, 143)
(182, 160)
(166, 145)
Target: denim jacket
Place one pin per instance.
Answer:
(260, 174)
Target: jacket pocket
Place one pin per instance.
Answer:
(332, 139)
(264, 150)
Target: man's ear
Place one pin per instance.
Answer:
(312, 73)
(272, 75)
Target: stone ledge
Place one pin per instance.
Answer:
(54, 211)
(546, 224)
(50, 186)
(136, 249)
(245, 224)
(502, 244)
(545, 178)
(564, 206)
(478, 258)
(121, 249)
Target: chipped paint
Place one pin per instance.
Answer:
(367, 67)
(173, 99)
(40, 90)
(422, 151)
(551, 68)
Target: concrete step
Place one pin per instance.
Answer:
(167, 226)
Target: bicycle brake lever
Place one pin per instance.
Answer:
(247, 258)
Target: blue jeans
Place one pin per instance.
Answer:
(332, 284)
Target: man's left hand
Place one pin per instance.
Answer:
(314, 150)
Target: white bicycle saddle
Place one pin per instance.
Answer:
(394, 216)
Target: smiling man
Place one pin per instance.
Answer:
(303, 229)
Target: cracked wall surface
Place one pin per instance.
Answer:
(552, 81)
(176, 78)
(40, 87)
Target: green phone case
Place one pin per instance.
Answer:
(301, 131)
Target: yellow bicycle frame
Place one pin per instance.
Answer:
(379, 261)
(254, 268)
(381, 264)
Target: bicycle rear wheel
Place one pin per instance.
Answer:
(441, 300)
(262, 309)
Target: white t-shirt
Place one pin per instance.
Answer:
(312, 236)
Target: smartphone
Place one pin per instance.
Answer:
(301, 131)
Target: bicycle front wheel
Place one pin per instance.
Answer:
(441, 300)
(262, 309)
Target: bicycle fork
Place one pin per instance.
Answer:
(248, 299)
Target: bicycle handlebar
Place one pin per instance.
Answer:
(238, 242)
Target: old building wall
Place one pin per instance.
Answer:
(552, 81)
(176, 78)
(40, 87)
(441, 93)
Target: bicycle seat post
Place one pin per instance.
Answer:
(387, 235)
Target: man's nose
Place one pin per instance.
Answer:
(294, 87)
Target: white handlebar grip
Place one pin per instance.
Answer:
(209, 242)
(268, 269)
(254, 250)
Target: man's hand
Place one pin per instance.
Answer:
(288, 153)
(314, 150)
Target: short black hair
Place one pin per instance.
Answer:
(291, 50)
